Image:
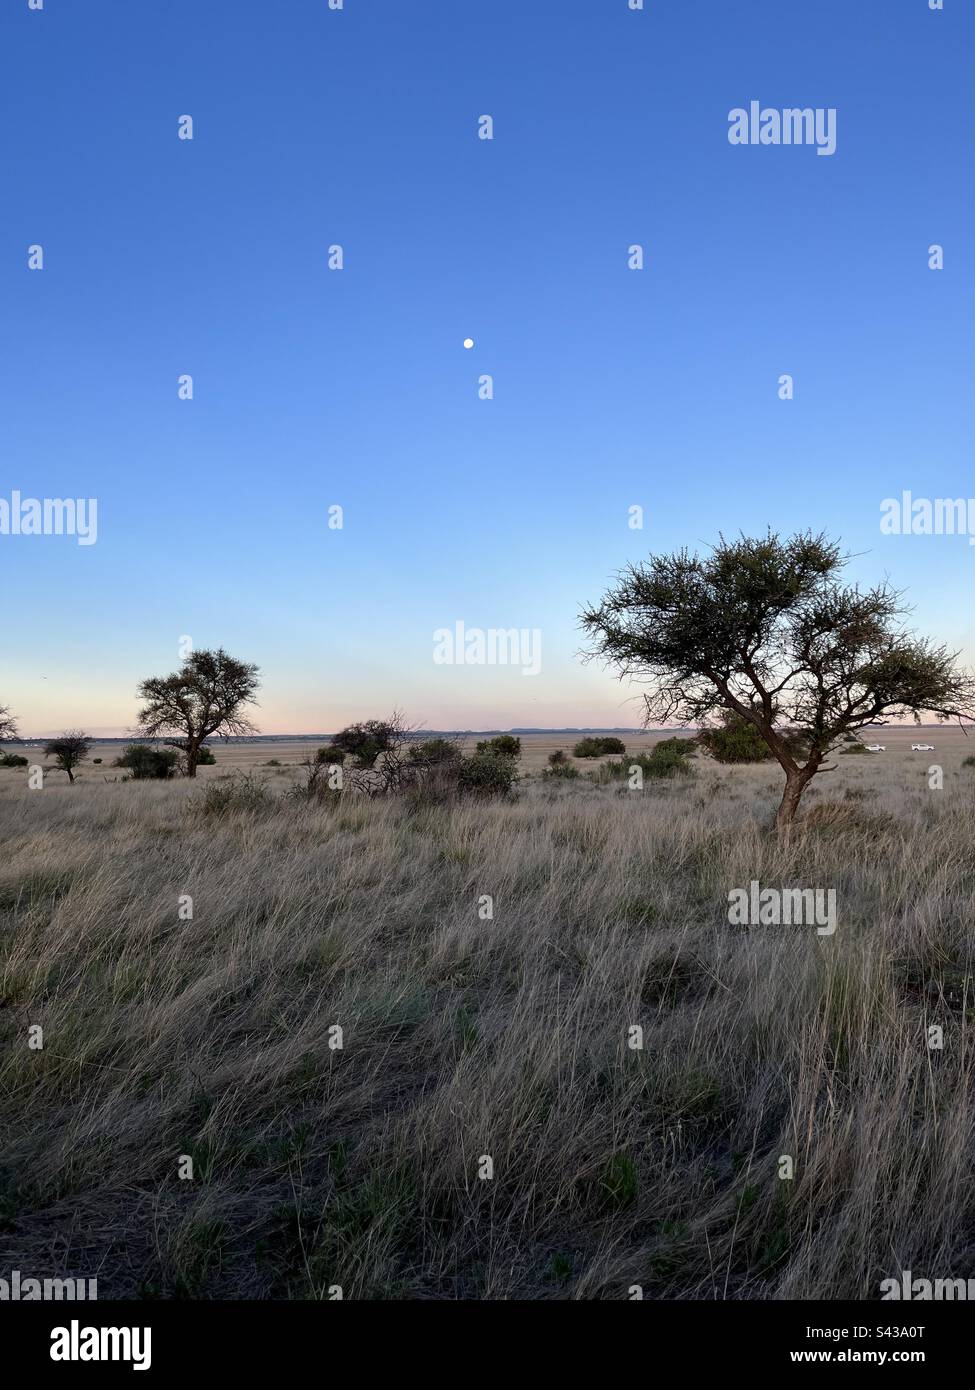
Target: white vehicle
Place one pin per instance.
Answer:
(922, 747)
(876, 748)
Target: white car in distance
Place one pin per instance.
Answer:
(876, 748)
(922, 747)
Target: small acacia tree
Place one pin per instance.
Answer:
(69, 750)
(205, 698)
(765, 627)
(8, 726)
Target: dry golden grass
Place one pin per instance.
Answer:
(465, 1037)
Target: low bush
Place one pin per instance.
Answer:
(486, 774)
(15, 760)
(736, 740)
(562, 769)
(587, 748)
(596, 747)
(669, 758)
(365, 741)
(147, 762)
(432, 752)
(237, 792)
(330, 755)
(612, 745)
(322, 781)
(504, 745)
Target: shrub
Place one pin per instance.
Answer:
(504, 745)
(595, 747)
(586, 748)
(674, 748)
(669, 758)
(147, 762)
(486, 774)
(96, 761)
(736, 740)
(205, 758)
(239, 791)
(433, 752)
(331, 755)
(426, 767)
(364, 741)
(318, 778)
(562, 769)
(611, 745)
(557, 758)
(969, 762)
(14, 760)
(433, 784)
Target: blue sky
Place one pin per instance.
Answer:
(312, 387)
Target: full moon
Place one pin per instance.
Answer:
(468, 342)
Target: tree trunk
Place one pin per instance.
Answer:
(192, 754)
(795, 785)
(70, 774)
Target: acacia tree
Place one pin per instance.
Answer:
(765, 627)
(68, 750)
(205, 697)
(8, 725)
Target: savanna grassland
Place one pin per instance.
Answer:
(462, 1037)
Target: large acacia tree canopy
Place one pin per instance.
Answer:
(205, 697)
(766, 627)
